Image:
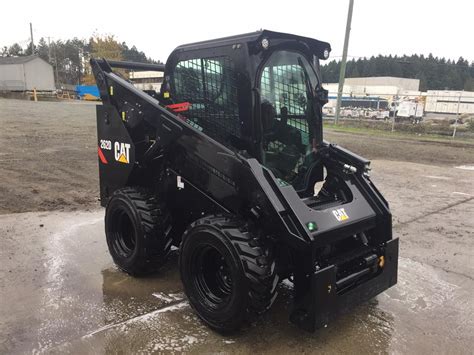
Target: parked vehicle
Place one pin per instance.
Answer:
(409, 110)
(223, 163)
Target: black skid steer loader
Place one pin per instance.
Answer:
(227, 162)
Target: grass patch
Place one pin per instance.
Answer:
(397, 134)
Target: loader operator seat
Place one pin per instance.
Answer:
(268, 117)
(276, 134)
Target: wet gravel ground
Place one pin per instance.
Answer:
(61, 293)
(48, 155)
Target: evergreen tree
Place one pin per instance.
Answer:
(133, 54)
(43, 49)
(434, 73)
(71, 55)
(15, 50)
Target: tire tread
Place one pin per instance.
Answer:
(256, 257)
(156, 223)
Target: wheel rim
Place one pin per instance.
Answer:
(212, 276)
(123, 234)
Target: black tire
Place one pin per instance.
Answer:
(137, 228)
(228, 273)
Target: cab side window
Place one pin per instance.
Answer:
(210, 86)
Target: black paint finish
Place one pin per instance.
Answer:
(196, 175)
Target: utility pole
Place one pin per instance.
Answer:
(342, 73)
(49, 49)
(395, 106)
(32, 42)
(56, 65)
(457, 116)
(55, 60)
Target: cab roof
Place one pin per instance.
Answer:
(254, 38)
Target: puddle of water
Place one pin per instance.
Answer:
(461, 193)
(429, 311)
(465, 167)
(142, 318)
(421, 289)
(87, 305)
(437, 177)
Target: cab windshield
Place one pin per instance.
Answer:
(287, 84)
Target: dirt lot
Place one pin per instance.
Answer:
(60, 292)
(49, 154)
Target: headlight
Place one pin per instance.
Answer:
(326, 53)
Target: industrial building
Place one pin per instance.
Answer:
(26, 74)
(382, 86)
(147, 80)
(375, 97)
(401, 83)
(449, 101)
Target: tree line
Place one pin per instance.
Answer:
(70, 58)
(434, 73)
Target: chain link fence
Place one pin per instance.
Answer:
(446, 113)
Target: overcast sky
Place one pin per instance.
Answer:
(444, 28)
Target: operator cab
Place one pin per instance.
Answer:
(287, 83)
(258, 94)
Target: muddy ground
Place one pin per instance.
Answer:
(60, 292)
(48, 155)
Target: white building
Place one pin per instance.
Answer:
(147, 80)
(401, 90)
(381, 81)
(25, 74)
(449, 101)
(382, 86)
(374, 96)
